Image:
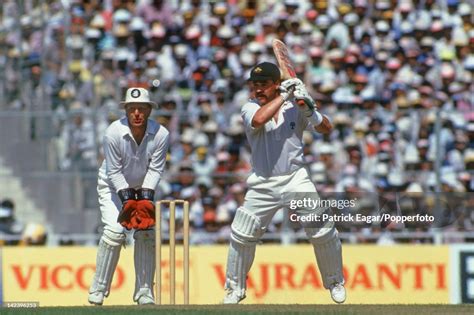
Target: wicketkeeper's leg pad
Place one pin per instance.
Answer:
(246, 232)
(107, 258)
(144, 256)
(327, 248)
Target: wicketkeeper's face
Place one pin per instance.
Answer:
(264, 91)
(137, 114)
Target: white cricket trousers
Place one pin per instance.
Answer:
(266, 195)
(110, 206)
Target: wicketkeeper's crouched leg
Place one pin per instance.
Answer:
(328, 251)
(246, 232)
(107, 258)
(144, 256)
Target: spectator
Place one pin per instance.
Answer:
(78, 135)
(9, 226)
(34, 235)
(379, 70)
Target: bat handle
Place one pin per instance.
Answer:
(301, 103)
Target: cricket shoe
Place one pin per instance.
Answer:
(233, 297)
(338, 293)
(144, 296)
(96, 298)
(145, 299)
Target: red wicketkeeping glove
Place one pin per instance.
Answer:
(126, 214)
(129, 206)
(144, 216)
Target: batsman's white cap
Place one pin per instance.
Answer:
(137, 95)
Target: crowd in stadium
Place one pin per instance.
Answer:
(391, 75)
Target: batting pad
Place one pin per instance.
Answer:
(107, 258)
(329, 257)
(246, 225)
(239, 261)
(144, 257)
(246, 232)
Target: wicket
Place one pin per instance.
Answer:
(172, 249)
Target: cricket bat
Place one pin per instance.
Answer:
(284, 62)
(283, 58)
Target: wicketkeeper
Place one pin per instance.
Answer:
(274, 126)
(135, 153)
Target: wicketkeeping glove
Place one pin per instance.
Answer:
(129, 205)
(144, 216)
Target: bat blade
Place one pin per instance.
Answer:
(284, 62)
(283, 58)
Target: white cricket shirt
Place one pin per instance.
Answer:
(277, 147)
(128, 165)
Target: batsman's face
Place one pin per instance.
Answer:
(264, 91)
(137, 114)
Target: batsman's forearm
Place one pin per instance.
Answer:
(266, 112)
(325, 127)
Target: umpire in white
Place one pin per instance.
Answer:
(135, 150)
(274, 126)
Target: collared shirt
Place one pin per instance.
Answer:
(277, 147)
(128, 165)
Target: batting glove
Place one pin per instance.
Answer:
(292, 83)
(285, 93)
(310, 110)
(301, 94)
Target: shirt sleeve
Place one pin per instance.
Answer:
(248, 111)
(157, 164)
(114, 163)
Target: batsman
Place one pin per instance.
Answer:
(135, 153)
(274, 119)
